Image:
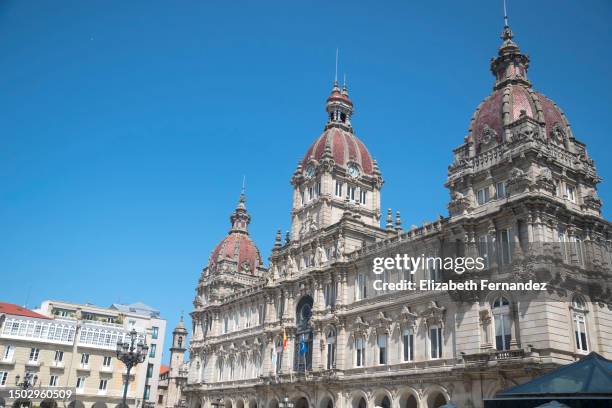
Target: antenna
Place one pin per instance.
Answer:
(336, 76)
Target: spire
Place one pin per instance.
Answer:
(510, 66)
(240, 218)
(339, 106)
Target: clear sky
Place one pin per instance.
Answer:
(126, 126)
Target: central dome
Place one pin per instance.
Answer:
(345, 148)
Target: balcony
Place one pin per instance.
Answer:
(83, 367)
(106, 369)
(494, 356)
(57, 364)
(8, 361)
(33, 363)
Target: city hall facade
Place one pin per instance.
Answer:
(311, 330)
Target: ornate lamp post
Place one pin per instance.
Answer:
(132, 354)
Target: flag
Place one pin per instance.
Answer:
(284, 339)
(303, 347)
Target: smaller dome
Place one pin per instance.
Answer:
(345, 148)
(237, 251)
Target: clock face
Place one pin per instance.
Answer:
(309, 172)
(353, 171)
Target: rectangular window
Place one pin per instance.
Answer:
(147, 392)
(84, 359)
(302, 199)
(3, 378)
(80, 384)
(261, 314)
(317, 189)
(382, 349)
(579, 250)
(106, 362)
(154, 332)
(557, 185)
(505, 246)
(362, 196)
(500, 189)
(330, 294)
(103, 385)
(34, 352)
(150, 371)
(59, 356)
(53, 381)
(361, 286)
(152, 350)
(9, 352)
(351, 192)
(570, 193)
(331, 352)
(160, 399)
(483, 195)
(408, 343)
(310, 193)
(338, 189)
(360, 352)
(435, 337)
(581, 336)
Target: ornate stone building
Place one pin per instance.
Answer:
(312, 328)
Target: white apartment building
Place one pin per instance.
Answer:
(73, 345)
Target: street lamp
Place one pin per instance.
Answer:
(132, 354)
(285, 403)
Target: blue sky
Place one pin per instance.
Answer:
(126, 127)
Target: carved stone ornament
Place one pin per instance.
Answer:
(383, 323)
(360, 326)
(459, 204)
(545, 180)
(407, 318)
(558, 133)
(592, 200)
(518, 181)
(433, 314)
(488, 135)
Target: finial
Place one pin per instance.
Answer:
(507, 32)
(181, 320)
(389, 220)
(344, 86)
(398, 221)
(277, 239)
(287, 237)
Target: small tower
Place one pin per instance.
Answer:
(178, 374)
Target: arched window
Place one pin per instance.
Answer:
(502, 320)
(331, 348)
(579, 311)
(360, 345)
(382, 348)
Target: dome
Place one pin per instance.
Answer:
(338, 140)
(237, 252)
(522, 102)
(513, 99)
(345, 148)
